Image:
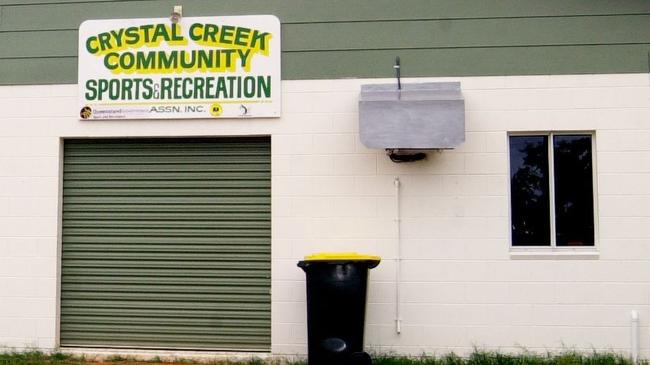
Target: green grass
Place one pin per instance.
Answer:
(523, 358)
(476, 358)
(39, 358)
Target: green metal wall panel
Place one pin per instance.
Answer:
(167, 244)
(339, 38)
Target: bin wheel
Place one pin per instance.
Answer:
(360, 358)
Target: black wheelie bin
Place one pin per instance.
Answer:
(336, 307)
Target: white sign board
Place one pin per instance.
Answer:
(201, 67)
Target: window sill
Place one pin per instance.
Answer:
(550, 254)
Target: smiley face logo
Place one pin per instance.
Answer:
(216, 109)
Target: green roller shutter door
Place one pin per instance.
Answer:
(166, 244)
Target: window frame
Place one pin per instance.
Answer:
(552, 247)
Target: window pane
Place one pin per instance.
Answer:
(574, 202)
(529, 191)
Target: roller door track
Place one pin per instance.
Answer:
(167, 244)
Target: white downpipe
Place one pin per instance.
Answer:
(398, 261)
(634, 316)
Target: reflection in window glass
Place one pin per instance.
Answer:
(529, 191)
(574, 204)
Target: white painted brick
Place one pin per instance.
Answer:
(355, 165)
(454, 206)
(281, 165)
(624, 206)
(583, 315)
(320, 102)
(616, 140)
(318, 207)
(286, 270)
(560, 98)
(47, 246)
(455, 249)
(29, 147)
(624, 162)
(4, 207)
(344, 123)
(354, 207)
(531, 293)
(467, 185)
(35, 207)
(430, 206)
(33, 166)
(21, 107)
(378, 314)
(624, 184)
(374, 185)
(367, 228)
(431, 314)
(334, 186)
(27, 307)
(625, 227)
(299, 123)
(28, 287)
(487, 163)
(289, 332)
(590, 293)
(524, 271)
(18, 327)
(496, 142)
(420, 185)
(292, 186)
(313, 186)
(312, 165)
(381, 292)
(292, 228)
(289, 312)
(292, 144)
(460, 227)
(19, 247)
(623, 249)
(490, 206)
(334, 143)
(27, 186)
(46, 343)
(474, 142)
(443, 270)
(428, 293)
(281, 248)
(44, 267)
(289, 291)
(281, 206)
(482, 121)
(631, 271)
(28, 226)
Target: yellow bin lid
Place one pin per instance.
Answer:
(341, 256)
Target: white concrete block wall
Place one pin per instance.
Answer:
(461, 286)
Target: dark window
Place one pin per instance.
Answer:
(566, 163)
(531, 222)
(574, 201)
